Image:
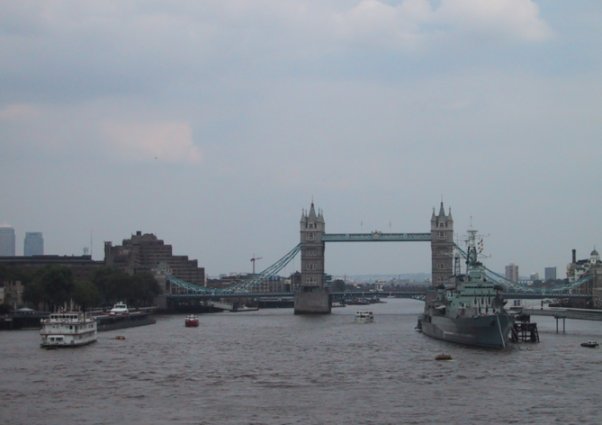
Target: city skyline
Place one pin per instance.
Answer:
(213, 125)
(521, 277)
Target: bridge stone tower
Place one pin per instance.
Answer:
(442, 246)
(312, 297)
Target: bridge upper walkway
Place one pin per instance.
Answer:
(376, 237)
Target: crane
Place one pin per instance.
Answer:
(253, 259)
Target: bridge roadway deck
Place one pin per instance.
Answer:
(399, 294)
(217, 295)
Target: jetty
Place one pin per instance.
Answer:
(523, 330)
(566, 313)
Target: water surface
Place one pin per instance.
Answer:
(272, 367)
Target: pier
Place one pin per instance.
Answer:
(524, 330)
(566, 313)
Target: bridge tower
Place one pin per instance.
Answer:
(311, 297)
(442, 246)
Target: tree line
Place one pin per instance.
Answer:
(55, 286)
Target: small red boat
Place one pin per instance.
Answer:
(191, 321)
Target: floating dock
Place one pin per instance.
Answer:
(111, 323)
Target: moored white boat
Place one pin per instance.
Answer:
(364, 317)
(68, 329)
(119, 309)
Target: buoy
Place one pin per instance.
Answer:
(443, 356)
(120, 337)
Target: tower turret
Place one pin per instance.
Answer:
(312, 297)
(312, 248)
(442, 246)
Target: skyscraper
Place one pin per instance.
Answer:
(33, 244)
(550, 273)
(512, 272)
(7, 241)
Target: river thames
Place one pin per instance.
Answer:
(272, 367)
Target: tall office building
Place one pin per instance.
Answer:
(550, 273)
(7, 241)
(512, 272)
(33, 244)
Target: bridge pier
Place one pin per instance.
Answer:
(313, 300)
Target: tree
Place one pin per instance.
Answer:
(115, 285)
(85, 294)
(112, 285)
(52, 285)
(145, 288)
(33, 293)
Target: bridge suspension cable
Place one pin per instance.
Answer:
(575, 284)
(192, 287)
(493, 276)
(267, 273)
(498, 278)
(243, 286)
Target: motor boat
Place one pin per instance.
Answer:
(364, 317)
(191, 321)
(119, 309)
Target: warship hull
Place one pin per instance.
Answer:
(491, 331)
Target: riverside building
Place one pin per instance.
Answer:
(588, 267)
(146, 252)
(512, 273)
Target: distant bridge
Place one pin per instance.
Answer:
(216, 294)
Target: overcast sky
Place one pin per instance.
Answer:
(213, 124)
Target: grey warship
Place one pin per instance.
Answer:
(469, 309)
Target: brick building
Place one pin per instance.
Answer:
(145, 252)
(589, 267)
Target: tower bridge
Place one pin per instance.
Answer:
(312, 296)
